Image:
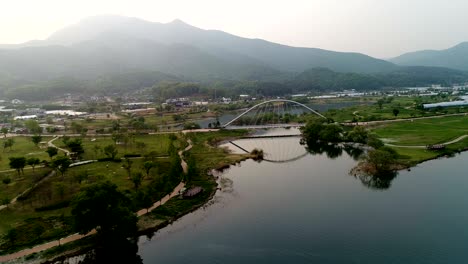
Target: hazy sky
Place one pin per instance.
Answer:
(380, 28)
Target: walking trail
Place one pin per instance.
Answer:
(423, 147)
(77, 236)
(400, 120)
(52, 173)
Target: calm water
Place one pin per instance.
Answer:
(310, 210)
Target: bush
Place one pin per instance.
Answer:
(6, 180)
(132, 155)
(54, 206)
(109, 159)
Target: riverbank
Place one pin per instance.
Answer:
(207, 157)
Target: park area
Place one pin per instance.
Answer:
(411, 137)
(148, 172)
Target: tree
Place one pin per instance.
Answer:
(381, 160)
(96, 149)
(396, 112)
(33, 162)
(380, 103)
(12, 236)
(191, 125)
(358, 135)
(33, 126)
(147, 166)
(331, 133)
(8, 143)
(4, 131)
(144, 200)
(117, 137)
(102, 207)
(52, 151)
(75, 146)
(61, 164)
(36, 139)
(111, 151)
(137, 179)
(18, 163)
(77, 127)
(128, 166)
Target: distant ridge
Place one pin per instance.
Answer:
(455, 57)
(212, 43)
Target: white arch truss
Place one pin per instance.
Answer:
(272, 101)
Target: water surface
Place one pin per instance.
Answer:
(310, 210)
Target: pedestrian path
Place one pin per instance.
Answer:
(77, 236)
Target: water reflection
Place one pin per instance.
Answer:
(381, 181)
(332, 151)
(113, 251)
(284, 150)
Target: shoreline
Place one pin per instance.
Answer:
(79, 250)
(82, 249)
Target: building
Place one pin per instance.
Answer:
(26, 117)
(178, 102)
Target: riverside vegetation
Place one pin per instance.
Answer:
(50, 210)
(145, 167)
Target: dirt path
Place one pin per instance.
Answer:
(13, 201)
(423, 147)
(182, 161)
(75, 237)
(51, 144)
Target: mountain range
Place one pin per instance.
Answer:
(455, 57)
(124, 49)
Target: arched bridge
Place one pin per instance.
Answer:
(271, 114)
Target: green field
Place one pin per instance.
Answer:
(45, 213)
(423, 131)
(23, 147)
(19, 183)
(369, 110)
(94, 146)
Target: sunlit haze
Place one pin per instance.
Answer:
(383, 28)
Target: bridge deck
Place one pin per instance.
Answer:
(265, 126)
(272, 136)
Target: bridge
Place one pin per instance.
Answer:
(276, 113)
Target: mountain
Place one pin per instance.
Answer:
(455, 58)
(321, 79)
(115, 44)
(121, 54)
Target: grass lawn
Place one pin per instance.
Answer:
(94, 146)
(59, 191)
(20, 183)
(23, 147)
(209, 157)
(405, 105)
(424, 131)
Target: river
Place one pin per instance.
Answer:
(310, 210)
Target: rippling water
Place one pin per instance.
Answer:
(310, 210)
